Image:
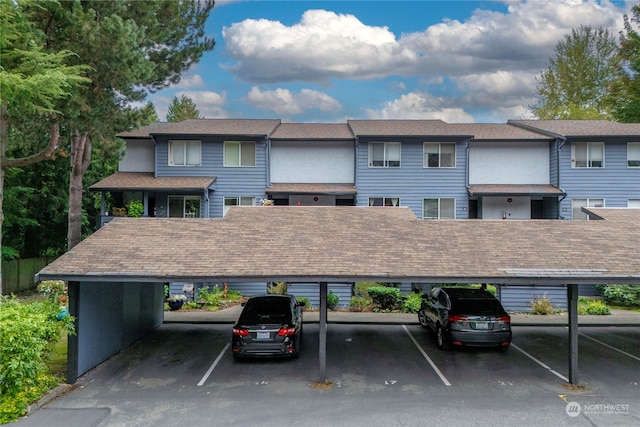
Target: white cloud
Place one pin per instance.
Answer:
(416, 105)
(286, 103)
(189, 81)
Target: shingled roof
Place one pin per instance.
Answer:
(573, 128)
(132, 181)
(313, 131)
(241, 127)
(355, 243)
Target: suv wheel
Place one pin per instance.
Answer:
(422, 318)
(441, 337)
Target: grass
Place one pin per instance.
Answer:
(57, 360)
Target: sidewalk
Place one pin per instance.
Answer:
(230, 315)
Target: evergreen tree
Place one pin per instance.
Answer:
(182, 109)
(625, 91)
(575, 85)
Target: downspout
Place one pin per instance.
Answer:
(355, 168)
(268, 161)
(466, 173)
(560, 141)
(206, 196)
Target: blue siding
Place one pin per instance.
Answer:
(615, 183)
(312, 291)
(517, 298)
(411, 182)
(230, 181)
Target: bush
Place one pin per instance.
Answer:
(305, 300)
(542, 305)
(411, 303)
(621, 295)
(135, 209)
(359, 303)
(362, 289)
(387, 298)
(27, 335)
(279, 288)
(593, 307)
(209, 296)
(332, 300)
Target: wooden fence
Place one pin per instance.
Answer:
(17, 275)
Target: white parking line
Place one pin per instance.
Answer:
(608, 346)
(559, 375)
(426, 356)
(214, 364)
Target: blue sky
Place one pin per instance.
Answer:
(329, 61)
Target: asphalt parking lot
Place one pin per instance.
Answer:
(184, 374)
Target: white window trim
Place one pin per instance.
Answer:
(384, 199)
(188, 142)
(588, 205)
(589, 145)
(184, 199)
(635, 202)
(629, 145)
(425, 163)
(439, 208)
(238, 200)
(385, 161)
(240, 165)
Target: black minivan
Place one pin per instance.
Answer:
(269, 326)
(465, 317)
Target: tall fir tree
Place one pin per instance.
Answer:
(182, 109)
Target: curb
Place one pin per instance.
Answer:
(51, 395)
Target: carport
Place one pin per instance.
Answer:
(116, 275)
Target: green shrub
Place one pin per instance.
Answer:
(359, 303)
(387, 298)
(542, 305)
(305, 300)
(279, 288)
(28, 332)
(621, 295)
(332, 300)
(209, 296)
(593, 307)
(411, 303)
(362, 289)
(135, 209)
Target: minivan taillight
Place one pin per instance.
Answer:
(241, 332)
(457, 318)
(286, 331)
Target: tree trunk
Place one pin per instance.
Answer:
(80, 161)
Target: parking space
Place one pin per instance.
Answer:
(382, 374)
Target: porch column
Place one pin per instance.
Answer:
(572, 303)
(323, 332)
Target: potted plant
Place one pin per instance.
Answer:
(135, 209)
(176, 301)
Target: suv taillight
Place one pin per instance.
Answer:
(287, 331)
(241, 332)
(506, 319)
(457, 318)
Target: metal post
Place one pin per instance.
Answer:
(572, 300)
(323, 332)
(73, 292)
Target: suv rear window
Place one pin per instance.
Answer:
(476, 306)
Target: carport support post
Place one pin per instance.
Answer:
(323, 332)
(73, 293)
(572, 303)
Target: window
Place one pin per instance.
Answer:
(439, 155)
(439, 208)
(633, 154)
(239, 154)
(587, 155)
(185, 153)
(384, 201)
(633, 203)
(184, 207)
(384, 154)
(237, 201)
(578, 204)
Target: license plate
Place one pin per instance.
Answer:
(482, 325)
(262, 335)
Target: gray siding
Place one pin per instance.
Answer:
(411, 182)
(230, 181)
(517, 298)
(246, 289)
(312, 291)
(615, 183)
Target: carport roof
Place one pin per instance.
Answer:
(317, 244)
(514, 190)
